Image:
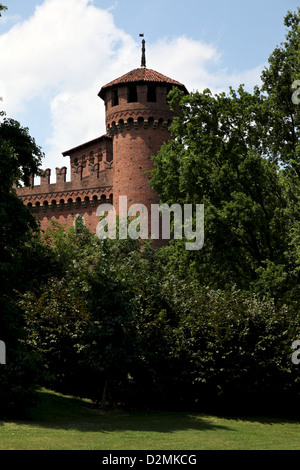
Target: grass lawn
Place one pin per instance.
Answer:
(67, 423)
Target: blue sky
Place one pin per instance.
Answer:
(57, 54)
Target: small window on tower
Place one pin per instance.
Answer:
(132, 94)
(115, 98)
(151, 95)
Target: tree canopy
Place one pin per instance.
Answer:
(238, 154)
(20, 159)
(124, 324)
(2, 7)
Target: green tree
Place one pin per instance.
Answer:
(281, 84)
(2, 8)
(238, 154)
(55, 321)
(80, 325)
(20, 159)
(217, 160)
(279, 80)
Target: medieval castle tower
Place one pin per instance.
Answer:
(137, 121)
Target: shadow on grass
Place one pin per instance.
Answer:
(55, 411)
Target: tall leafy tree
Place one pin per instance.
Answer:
(281, 85)
(217, 159)
(238, 154)
(20, 158)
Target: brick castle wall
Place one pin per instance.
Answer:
(137, 121)
(91, 184)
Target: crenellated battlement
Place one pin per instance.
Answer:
(92, 187)
(91, 181)
(116, 164)
(65, 201)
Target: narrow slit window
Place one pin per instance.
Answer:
(151, 94)
(132, 94)
(115, 98)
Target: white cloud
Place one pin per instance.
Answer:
(198, 65)
(61, 46)
(186, 59)
(66, 51)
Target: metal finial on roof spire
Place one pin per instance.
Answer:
(143, 63)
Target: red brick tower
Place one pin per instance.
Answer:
(137, 118)
(112, 165)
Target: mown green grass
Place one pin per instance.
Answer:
(67, 423)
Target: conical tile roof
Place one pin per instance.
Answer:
(141, 75)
